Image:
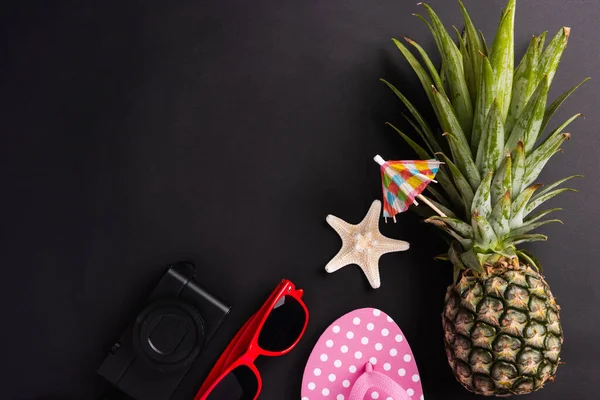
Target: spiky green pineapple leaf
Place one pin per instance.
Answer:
(437, 80)
(448, 119)
(550, 58)
(467, 65)
(486, 49)
(482, 202)
(558, 102)
(485, 99)
(423, 76)
(491, 146)
(540, 215)
(428, 138)
(463, 161)
(421, 152)
(464, 242)
(518, 169)
(531, 259)
(464, 188)
(449, 188)
(474, 45)
(519, 206)
(485, 237)
(453, 63)
(462, 228)
(532, 226)
(438, 196)
(444, 78)
(507, 251)
(502, 58)
(502, 179)
(525, 259)
(436, 38)
(442, 257)
(538, 201)
(538, 159)
(548, 188)
(529, 123)
(454, 257)
(470, 260)
(529, 237)
(524, 81)
(501, 213)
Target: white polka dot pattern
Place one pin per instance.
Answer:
(339, 357)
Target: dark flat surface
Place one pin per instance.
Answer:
(135, 135)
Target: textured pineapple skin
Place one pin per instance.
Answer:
(502, 330)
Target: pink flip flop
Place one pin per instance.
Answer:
(362, 355)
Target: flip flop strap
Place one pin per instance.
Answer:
(376, 380)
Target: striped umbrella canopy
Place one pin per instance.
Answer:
(403, 182)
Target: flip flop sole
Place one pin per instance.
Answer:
(339, 357)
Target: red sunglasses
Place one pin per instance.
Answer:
(273, 330)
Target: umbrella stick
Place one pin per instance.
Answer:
(434, 208)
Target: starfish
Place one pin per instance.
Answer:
(363, 244)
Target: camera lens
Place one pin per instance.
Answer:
(169, 334)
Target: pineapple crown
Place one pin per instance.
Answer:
(493, 117)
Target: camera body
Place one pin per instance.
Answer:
(155, 352)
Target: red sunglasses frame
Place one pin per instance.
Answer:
(243, 350)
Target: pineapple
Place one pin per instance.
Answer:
(502, 329)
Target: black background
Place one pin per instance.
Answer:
(135, 134)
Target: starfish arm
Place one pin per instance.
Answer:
(371, 220)
(342, 258)
(339, 225)
(371, 269)
(387, 245)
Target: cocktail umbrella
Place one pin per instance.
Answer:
(403, 181)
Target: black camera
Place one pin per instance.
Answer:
(155, 352)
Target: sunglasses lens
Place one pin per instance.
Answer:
(283, 326)
(239, 384)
